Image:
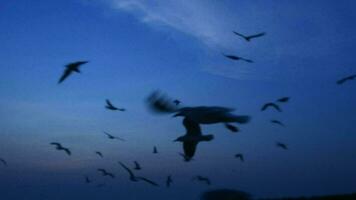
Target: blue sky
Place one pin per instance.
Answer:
(135, 47)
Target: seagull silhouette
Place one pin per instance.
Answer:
(113, 137)
(137, 166)
(99, 153)
(277, 122)
(3, 161)
(202, 179)
(70, 68)
(106, 173)
(281, 145)
(155, 151)
(232, 127)
(169, 181)
(283, 100)
(110, 106)
(87, 180)
(240, 156)
(192, 138)
(249, 37)
(134, 178)
(234, 57)
(60, 147)
(348, 78)
(272, 105)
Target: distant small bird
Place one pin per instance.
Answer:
(249, 37)
(232, 127)
(110, 106)
(177, 102)
(283, 100)
(106, 173)
(348, 78)
(99, 153)
(281, 145)
(113, 137)
(60, 147)
(87, 180)
(277, 122)
(240, 156)
(137, 166)
(169, 181)
(137, 178)
(155, 151)
(71, 67)
(234, 57)
(3, 161)
(272, 105)
(202, 179)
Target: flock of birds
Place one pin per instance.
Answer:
(193, 118)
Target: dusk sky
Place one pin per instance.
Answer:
(135, 47)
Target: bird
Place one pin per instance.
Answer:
(134, 178)
(273, 121)
(348, 78)
(192, 138)
(202, 179)
(272, 105)
(240, 156)
(283, 99)
(169, 181)
(177, 102)
(87, 180)
(281, 145)
(70, 68)
(249, 37)
(155, 151)
(113, 137)
(60, 147)
(137, 166)
(99, 153)
(110, 106)
(198, 114)
(106, 173)
(3, 161)
(234, 57)
(232, 127)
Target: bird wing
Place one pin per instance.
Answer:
(67, 151)
(192, 128)
(232, 127)
(283, 99)
(65, 74)
(256, 35)
(137, 165)
(189, 148)
(239, 34)
(56, 144)
(161, 104)
(147, 180)
(109, 103)
(3, 161)
(109, 135)
(127, 169)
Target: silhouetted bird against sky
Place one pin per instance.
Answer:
(3, 161)
(113, 137)
(169, 181)
(232, 127)
(234, 57)
(283, 99)
(348, 78)
(137, 166)
(177, 102)
(60, 147)
(134, 178)
(106, 173)
(277, 122)
(249, 37)
(71, 67)
(240, 156)
(281, 145)
(99, 153)
(87, 180)
(110, 106)
(192, 138)
(155, 151)
(271, 105)
(202, 179)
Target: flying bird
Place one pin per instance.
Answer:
(3, 161)
(106, 173)
(249, 37)
(169, 181)
(240, 156)
(177, 102)
(99, 153)
(110, 106)
(137, 166)
(113, 137)
(348, 78)
(192, 138)
(271, 105)
(87, 180)
(202, 179)
(134, 178)
(234, 57)
(283, 100)
(277, 122)
(232, 127)
(282, 145)
(155, 151)
(59, 147)
(70, 68)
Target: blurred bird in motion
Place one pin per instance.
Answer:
(249, 37)
(113, 137)
(348, 78)
(70, 68)
(281, 145)
(240, 156)
(110, 106)
(202, 179)
(3, 161)
(134, 178)
(59, 147)
(234, 57)
(106, 173)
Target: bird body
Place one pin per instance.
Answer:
(70, 68)
(240, 156)
(283, 99)
(234, 57)
(249, 37)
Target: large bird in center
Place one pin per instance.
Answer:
(198, 114)
(70, 68)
